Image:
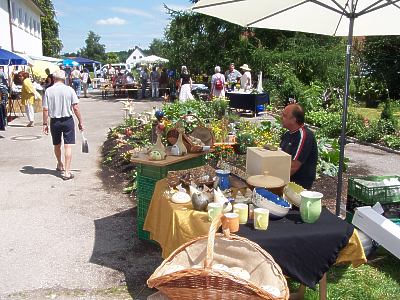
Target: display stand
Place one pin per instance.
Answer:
(149, 172)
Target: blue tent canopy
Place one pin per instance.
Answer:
(83, 60)
(8, 58)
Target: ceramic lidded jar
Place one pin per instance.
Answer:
(273, 184)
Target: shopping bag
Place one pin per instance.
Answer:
(85, 145)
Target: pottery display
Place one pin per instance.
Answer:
(272, 183)
(157, 152)
(199, 199)
(220, 198)
(311, 206)
(179, 148)
(180, 197)
(278, 207)
(223, 179)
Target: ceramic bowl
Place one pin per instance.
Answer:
(277, 206)
(292, 193)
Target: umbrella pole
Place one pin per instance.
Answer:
(344, 117)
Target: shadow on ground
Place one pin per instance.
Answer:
(39, 171)
(117, 246)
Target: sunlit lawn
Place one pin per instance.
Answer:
(379, 279)
(373, 113)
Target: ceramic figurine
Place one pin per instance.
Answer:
(157, 152)
(179, 148)
(220, 198)
(200, 200)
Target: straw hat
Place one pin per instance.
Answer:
(245, 67)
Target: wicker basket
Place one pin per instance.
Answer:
(198, 280)
(201, 132)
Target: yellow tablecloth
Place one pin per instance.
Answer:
(172, 225)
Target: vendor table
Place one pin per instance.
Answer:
(247, 101)
(150, 171)
(304, 251)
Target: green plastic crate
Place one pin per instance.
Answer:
(157, 172)
(371, 195)
(142, 234)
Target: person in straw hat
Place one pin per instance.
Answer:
(245, 80)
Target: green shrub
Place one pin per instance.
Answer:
(371, 133)
(391, 141)
(311, 99)
(355, 124)
(245, 140)
(388, 122)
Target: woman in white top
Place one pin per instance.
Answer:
(185, 90)
(85, 81)
(218, 83)
(245, 80)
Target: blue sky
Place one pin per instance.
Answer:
(121, 24)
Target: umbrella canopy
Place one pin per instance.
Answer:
(39, 67)
(84, 60)
(330, 17)
(8, 58)
(70, 63)
(152, 59)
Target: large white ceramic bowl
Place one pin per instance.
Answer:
(277, 206)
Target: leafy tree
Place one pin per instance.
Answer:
(93, 50)
(112, 58)
(157, 47)
(51, 43)
(382, 58)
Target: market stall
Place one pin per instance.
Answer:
(296, 246)
(247, 101)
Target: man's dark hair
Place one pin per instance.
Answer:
(298, 114)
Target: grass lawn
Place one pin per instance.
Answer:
(378, 279)
(374, 113)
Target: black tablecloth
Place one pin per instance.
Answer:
(304, 251)
(247, 101)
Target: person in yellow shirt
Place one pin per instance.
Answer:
(28, 93)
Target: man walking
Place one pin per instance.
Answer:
(60, 102)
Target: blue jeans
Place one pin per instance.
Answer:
(76, 83)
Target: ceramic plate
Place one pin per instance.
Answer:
(180, 197)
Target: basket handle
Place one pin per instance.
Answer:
(216, 223)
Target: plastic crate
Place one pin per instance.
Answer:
(390, 209)
(142, 234)
(371, 195)
(157, 172)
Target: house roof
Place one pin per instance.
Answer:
(37, 5)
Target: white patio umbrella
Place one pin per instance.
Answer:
(329, 17)
(153, 59)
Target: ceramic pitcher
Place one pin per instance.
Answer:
(310, 207)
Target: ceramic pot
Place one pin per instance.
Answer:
(310, 206)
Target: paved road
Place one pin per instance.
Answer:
(56, 236)
(75, 240)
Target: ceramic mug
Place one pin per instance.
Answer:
(213, 210)
(310, 206)
(261, 218)
(230, 221)
(243, 211)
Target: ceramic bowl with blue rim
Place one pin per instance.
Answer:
(277, 206)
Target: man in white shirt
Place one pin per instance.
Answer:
(60, 102)
(76, 81)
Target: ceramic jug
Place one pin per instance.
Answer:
(179, 147)
(310, 206)
(223, 179)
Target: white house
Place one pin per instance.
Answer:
(20, 30)
(136, 55)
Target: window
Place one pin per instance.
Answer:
(31, 25)
(38, 29)
(20, 17)
(34, 27)
(140, 56)
(26, 22)
(14, 13)
(134, 57)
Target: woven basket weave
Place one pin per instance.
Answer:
(202, 282)
(201, 132)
